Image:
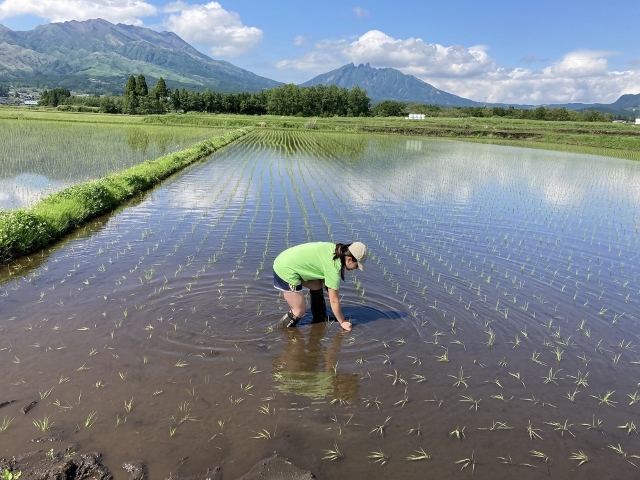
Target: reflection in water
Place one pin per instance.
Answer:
(309, 368)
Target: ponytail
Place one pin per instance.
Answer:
(341, 253)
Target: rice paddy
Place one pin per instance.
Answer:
(495, 326)
(38, 158)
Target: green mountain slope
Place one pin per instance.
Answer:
(100, 53)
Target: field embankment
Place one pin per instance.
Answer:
(23, 231)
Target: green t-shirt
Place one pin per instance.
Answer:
(309, 261)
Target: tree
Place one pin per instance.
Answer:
(141, 86)
(161, 91)
(53, 98)
(176, 102)
(358, 103)
(130, 100)
(389, 108)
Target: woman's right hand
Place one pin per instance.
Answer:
(346, 325)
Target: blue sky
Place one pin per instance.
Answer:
(524, 52)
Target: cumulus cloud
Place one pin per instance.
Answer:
(581, 76)
(212, 27)
(116, 11)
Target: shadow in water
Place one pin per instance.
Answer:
(360, 314)
(307, 365)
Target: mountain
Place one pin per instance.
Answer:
(389, 84)
(627, 105)
(101, 55)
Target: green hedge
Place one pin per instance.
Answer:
(26, 230)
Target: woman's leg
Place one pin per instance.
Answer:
(296, 302)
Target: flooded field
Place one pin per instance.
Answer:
(38, 158)
(495, 326)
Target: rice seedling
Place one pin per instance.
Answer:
(619, 451)
(562, 427)
(396, 377)
(594, 425)
(5, 424)
(128, 405)
(552, 376)
(496, 426)
(416, 431)
(533, 432)
(266, 410)
(580, 457)
(474, 403)
(635, 398)
(379, 457)
(45, 394)
(265, 434)
(444, 357)
(629, 427)
(465, 462)
(379, 429)
(571, 396)
(458, 432)
(605, 399)
(404, 400)
(91, 418)
(372, 401)
(460, 379)
(44, 424)
(334, 454)
(419, 455)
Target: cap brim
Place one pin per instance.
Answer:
(361, 267)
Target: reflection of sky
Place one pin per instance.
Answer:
(25, 189)
(461, 172)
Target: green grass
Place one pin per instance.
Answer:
(24, 231)
(606, 139)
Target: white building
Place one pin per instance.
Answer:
(415, 116)
(637, 121)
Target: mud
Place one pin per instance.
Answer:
(67, 464)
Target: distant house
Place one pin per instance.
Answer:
(415, 116)
(637, 121)
(31, 103)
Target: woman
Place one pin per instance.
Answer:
(315, 265)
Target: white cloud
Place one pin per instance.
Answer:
(212, 27)
(581, 76)
(116, 11)
(360, 12)
(300, 41)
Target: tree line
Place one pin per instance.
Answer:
(139, 99)
(391, 108)
(288, 100)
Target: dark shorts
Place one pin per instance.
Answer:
(283, 286)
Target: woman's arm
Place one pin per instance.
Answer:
(334, 299)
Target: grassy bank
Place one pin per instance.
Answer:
(23, 231)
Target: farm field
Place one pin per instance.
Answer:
(495, 325)
(38, 158)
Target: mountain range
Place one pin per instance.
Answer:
(96, 56)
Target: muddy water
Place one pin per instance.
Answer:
(497, 316)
